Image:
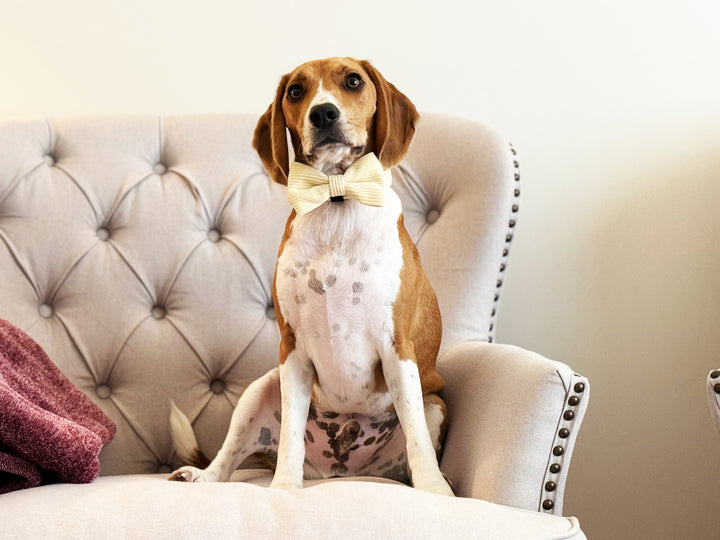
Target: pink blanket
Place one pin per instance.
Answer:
(49, 430)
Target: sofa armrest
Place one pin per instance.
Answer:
(713, 397)
(514, 418)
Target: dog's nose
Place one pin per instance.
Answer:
(324, 116)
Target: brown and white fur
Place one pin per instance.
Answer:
(356, 391)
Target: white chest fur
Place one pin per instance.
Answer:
(338, 277)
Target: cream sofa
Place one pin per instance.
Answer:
(139, 252)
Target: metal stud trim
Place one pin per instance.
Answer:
(552, 485)
(512, 222)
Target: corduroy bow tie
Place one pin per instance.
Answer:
(364, 181)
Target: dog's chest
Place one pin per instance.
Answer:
(337, 280)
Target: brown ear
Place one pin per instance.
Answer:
(395, 120)
(270, 138)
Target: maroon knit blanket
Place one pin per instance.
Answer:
(49, 430)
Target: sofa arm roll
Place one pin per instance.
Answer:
(514, 419)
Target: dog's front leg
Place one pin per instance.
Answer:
(296, 381)
(403, 380)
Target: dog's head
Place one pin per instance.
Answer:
(336, 111)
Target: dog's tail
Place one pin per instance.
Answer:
(184, 439)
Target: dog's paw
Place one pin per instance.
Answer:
(436, 484)
(189, 474)
(285, 482)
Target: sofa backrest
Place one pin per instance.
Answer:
(139, 252)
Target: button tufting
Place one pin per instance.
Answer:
(46, 311)
(49, 160)
(103, 234)
(103, 391)
(217, 386)
(270, 312)
(159, 168)
(214, 235)
(432, 216)
(158, 312)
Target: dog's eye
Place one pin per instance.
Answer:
(353, 81)
(295, 92)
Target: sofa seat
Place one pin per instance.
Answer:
(148, 506)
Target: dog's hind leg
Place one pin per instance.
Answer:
(254, 428)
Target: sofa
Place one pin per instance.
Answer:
(139, 252)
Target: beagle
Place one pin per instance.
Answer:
(356, 390)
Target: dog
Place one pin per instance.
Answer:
(356, 390)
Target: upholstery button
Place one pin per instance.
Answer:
(49, 160)
(217, 386)
(213, 235)
(715, 374)
(103, 234)
(46, 311)
(555, 468)
(432, 216)
(159, 168)
(158, 312)
(103, 391)
(270, 312)
(164, 468)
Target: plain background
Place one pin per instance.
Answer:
(614, 108)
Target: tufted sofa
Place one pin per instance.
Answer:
(139, 252)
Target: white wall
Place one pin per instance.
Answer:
(615, 109)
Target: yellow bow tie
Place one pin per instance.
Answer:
(364, 181)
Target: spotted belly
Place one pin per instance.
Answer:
(355, 445)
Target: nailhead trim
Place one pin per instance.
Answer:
(508, 239)
(565, 428)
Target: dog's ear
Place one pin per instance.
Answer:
(270, 137)
(395, 120)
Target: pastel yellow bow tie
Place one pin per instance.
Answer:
(364, 181)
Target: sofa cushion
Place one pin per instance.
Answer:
(148, 506)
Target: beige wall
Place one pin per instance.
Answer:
(615, 110)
